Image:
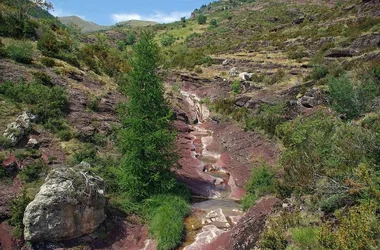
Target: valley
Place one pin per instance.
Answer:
(251, 124)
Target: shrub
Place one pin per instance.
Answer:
(351, 101)
(305, 237)
(88, 154)
(93, 103)
(167, 40)
(224, 106)
(48, 62)
(164, 210)
(267, 118)
(260, 183)
(18, 208)
(130, 39)
(319, 72)
(276, 77)
(21, 52)
(201, 19)
(4, 142)
(275, 234)
(298, 54)
(358, 228)
(42, 78)
(235, 87)
(32, 172)
(48, 44)
(184, 57)
(121, 45)
(343, 96)
(47, 102)
(334, 150)
(58, 45)
(213, 23)
(192, 36)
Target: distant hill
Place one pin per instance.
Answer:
(135, 23)
(86, 26)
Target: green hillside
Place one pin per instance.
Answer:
(85, 26)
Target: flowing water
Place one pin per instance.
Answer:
(211, 216)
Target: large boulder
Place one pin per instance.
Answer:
(246, 233)
(16, 130)
(69, 204)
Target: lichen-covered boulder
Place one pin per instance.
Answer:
(16, 130)
(69, 204)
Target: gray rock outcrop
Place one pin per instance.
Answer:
(16, 130)
(69, 204)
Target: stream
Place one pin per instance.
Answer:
(217, 214)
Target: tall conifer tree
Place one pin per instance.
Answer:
(148, 142)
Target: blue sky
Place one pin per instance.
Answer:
(108, 12)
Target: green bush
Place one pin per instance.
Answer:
(21, 52)
(267, 118)
(297, 54)
(47, 102)
(349, 100)
(130, 38)
(344, 97)
(184, 57)
(58, 46)
(305, 237)
(357, 228)
(213, 23)
(42, 78)
(121, 45)
(4, 142)
(192, 36)
(48, 44)
(18, 207)
(334, 150)
(201, 19)
(32, 172)
(167, 40)
(235, 87)
(164, 210)
(333, 202)
(319, 72)
(260, 184)
(93, 103)
(48, 62)
(88, 154)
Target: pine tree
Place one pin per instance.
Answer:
(147, 140)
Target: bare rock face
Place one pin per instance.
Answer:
(247, 232)
(70, 204)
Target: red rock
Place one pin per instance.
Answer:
(247, 231)
(7, 240)
(220, 243)
(181, 126)
(10, 163)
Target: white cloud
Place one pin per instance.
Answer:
(157, 16)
